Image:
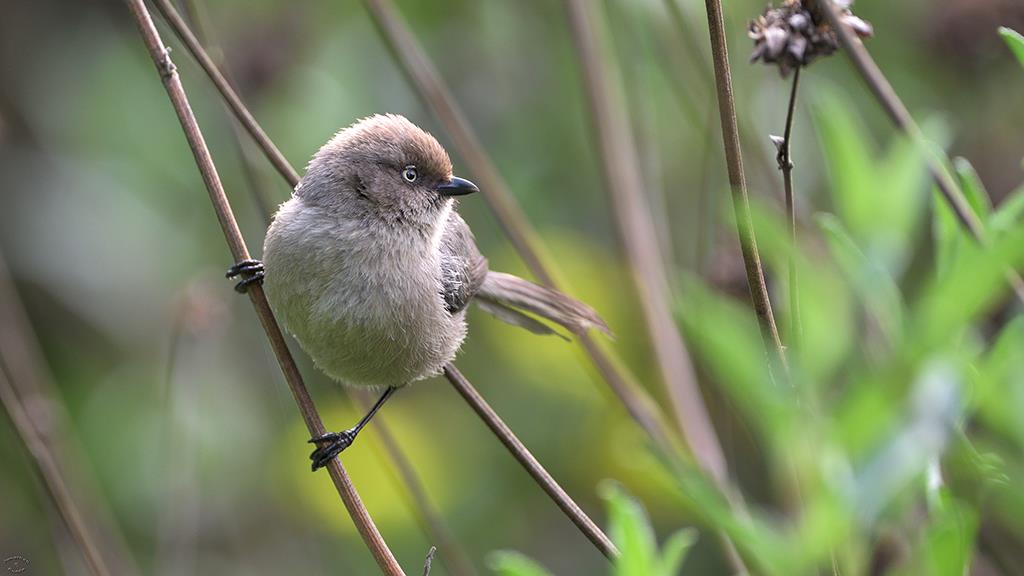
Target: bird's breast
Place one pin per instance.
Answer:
(366, 306)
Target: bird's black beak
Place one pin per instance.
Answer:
(456, 187)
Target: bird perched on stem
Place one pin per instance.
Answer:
(370, 267)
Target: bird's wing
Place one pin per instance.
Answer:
(463, 268)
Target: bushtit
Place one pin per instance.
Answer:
(370, 267)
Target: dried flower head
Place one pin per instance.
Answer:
(796, 33)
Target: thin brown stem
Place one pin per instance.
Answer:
(408, 480)
(636, 228)
(532, 466)
(181, 28)
(227, 92)
(687, 35)
(52, 477)
(165, 67)
(435, 94)
(41, 419)
(904, 122)
(429, 561)
(785, 159)
(737, 181)
(637, 402)
(197, 15)
(452, 555)
(637, 231)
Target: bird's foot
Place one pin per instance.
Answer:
(251, 272)
(330, 445)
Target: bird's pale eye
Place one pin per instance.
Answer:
(409, 173)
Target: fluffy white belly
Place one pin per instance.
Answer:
(405, 343)
(363, 322)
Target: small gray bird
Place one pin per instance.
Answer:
(370, 267)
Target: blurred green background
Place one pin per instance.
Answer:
(174, 395)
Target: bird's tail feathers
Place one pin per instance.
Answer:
(507, 297)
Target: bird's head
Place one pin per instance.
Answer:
(385, 168)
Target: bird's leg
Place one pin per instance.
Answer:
(331, 444)
(251, 272)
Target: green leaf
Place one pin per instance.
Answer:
(974, 282)
(974, 190)
(847, 155)
(1015, 41)
(827, 311)
(878, 196)
(948, 541)
(874, 285)
(1009, 213)
(999, 384)
(507, 563)
(950, 234)
(674, 551)
(725, 336)
(947, 234)
(631, 532)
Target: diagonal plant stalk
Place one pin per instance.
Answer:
(165, 67)
(639, 405)
(527, 460)
(41, 420)
(197, 15)
(785, 159)
(693, 50)
(734, 161)
(435, 94)
(637, 231)
(493, 421)
(904, 122)
(636, 228)
(53, 478)
(452, 554)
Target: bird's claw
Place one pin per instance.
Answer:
(330, 445)
(252, 272)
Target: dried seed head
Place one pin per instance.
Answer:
(796, 33)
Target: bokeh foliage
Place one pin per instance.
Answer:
(898, 431)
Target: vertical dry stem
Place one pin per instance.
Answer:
(734, 160)
(785, 159)
(636, 228)
(161, 58)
